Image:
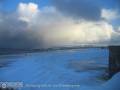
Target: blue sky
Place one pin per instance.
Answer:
(11, 5)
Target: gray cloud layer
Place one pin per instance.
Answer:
(31, 27)
(14, 33)
(85, 9)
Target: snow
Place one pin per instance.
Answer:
(112, 84)
(81, 67)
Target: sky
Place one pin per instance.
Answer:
(56, 23)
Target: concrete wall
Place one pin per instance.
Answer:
(114, 60)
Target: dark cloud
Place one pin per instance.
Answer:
(79, 8)
(14, 34)
(43, 30)
(86, 9)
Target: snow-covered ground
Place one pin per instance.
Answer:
(112, 84)
(80, 69)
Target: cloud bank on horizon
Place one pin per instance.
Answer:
(63, 23)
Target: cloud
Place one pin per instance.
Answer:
(85, 9)
(109, 15)
(14, 33)
(83, 33)
(31, 27)
(27, 11)
(119, 28)
(59, 30)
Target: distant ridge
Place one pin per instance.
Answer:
(27, 50)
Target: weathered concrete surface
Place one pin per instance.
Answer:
(114, 60)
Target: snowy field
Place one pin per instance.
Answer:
(81, 69)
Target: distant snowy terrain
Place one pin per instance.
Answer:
(83, 68)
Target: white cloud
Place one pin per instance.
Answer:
(27, 11)
(57, 29)
(118, 29)
(51, 28)
(109, 14)
(70, 33)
